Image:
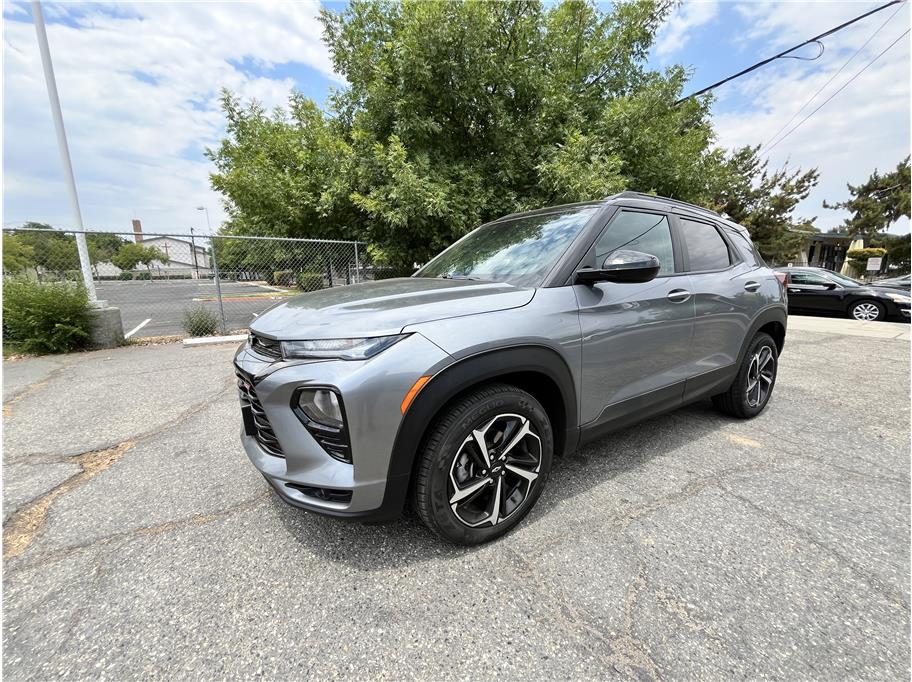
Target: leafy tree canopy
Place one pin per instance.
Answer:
(103, 246)
(457, 113)
(17, 255)
(51, 249)
(129, 255)
(878, 202)
(764, 202)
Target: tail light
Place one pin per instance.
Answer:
(782, 277)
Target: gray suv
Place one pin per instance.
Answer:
(455, 388)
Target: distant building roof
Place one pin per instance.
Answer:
(174, 239)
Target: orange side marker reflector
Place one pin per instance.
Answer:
(413, 391)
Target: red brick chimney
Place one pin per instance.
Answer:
(137, 231)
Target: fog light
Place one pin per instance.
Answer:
(322, 406)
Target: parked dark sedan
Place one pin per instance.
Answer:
(904, 282)
(816, 290)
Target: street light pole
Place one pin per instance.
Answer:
(193, 248)
(208, 224)
(57, 115)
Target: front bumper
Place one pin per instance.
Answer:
(302, 472)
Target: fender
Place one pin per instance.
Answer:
(458, 377)
(775, 313)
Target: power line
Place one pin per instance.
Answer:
(832, 78)
(841, 88)
(815, 39)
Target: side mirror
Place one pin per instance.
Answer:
(623, 267)
(829, 286)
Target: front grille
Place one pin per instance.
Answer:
(256, 423)
(268, 348)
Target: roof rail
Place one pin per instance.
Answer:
(676, 202)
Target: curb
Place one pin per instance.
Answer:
(213, 340)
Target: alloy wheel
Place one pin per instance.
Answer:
(866, 311)
(760, 375)
(494, 470)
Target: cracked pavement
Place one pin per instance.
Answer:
(140, 543)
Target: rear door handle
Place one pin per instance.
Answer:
(751, 286)
(678, 295)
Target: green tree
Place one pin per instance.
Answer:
(53, 251)
(17, 255)
(878, 202)
(459, 112)
(764, 202)
(103, 247)
(130, 255)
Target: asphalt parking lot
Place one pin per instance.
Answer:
(140, 543)
(157, 307)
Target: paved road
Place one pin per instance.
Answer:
(163, 303)
(689, 547)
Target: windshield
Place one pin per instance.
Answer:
(842, 279)
(519, 251)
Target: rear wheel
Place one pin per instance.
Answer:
(867, 311)
(484, 465)
(750, 392)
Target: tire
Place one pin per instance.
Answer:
(457, 488)
(746, 397)
(867, 310)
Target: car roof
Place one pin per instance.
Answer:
(634, 198)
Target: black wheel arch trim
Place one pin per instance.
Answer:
(771, 314)
(454, 380)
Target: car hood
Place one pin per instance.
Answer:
(384, 307)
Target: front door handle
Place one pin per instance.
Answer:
(678, 295)
(751, 286)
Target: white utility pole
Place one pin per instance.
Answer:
(51, 82)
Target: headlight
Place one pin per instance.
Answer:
(899, 297)
(342, 349)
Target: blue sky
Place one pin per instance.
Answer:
(139, 84)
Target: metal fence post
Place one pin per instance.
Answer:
(357, 266)
(218, 287)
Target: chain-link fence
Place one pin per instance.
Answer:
(189, 284)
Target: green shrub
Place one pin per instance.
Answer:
(200, 322)
(126, 274)
(858, 258)
(143, 274)
(45, 317)
(310, 281)
(283, 278)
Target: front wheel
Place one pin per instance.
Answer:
(750, 392)
(867, 311)
(484, 465)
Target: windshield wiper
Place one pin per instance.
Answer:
(453, 275)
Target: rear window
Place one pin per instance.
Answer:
(706, 249)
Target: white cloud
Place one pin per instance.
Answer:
(677, 30)
(866, 126)
(139, 88)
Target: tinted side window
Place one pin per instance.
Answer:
(807, 278)
(705, 246)
(646, 232)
